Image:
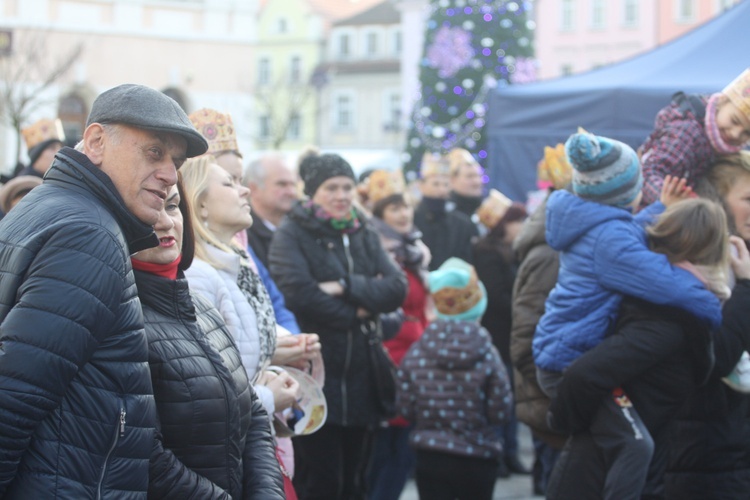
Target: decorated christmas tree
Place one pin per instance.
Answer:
(471, 46)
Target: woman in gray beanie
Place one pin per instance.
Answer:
(336, 279)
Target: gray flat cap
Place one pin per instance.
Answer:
(144, 107)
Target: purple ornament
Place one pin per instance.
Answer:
(450, 51)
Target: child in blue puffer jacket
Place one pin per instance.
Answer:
(603, 256)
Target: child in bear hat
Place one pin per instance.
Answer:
(603, 256)
(454, 389)
(693, 131)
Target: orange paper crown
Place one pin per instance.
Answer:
(738, 92)
(383, 183)
(493, 208)
(434, 164)
(457, 157)
(555, 168)
(43, 130)
(218, 130)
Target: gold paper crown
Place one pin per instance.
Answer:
(554, 167)
(218, 130)
(493, 208)
(383, 183)
(452, 301)
(434, 164)
(738, 92)
(457, 157)
(43, 130)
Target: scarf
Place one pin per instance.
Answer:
(712, 129)
(435, 205)
(466, 204)
(163, 270)
(403, 247)
(348, 224)
(257, 296)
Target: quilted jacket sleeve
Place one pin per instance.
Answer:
(63, 307)
(169, 478)
(384, 292)
(262, 474)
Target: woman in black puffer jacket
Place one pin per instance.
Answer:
(336, 279)
(213, 435)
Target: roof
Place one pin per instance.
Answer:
(383, 13)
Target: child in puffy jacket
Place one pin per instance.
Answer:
(603, 256)
(454, 389)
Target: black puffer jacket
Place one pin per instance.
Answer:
(215, 438)
(304, 252)
(78, 413)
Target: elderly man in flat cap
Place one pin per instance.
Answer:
(78, 414)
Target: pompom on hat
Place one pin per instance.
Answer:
(738, 92)
(554, 170)
(40, 135)
(217, 128)
(434, 164)
(604, 170)
(457, 292)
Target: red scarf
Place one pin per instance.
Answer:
(163, 270)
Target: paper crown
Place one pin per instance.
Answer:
(218, 130)
(457, 157)
(383, 183)
(554, 169)
(434, 164)
(493, 208)
(43, 130)
(456, 289)
(738, 92)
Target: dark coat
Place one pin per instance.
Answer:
(259, 238)
(78, 413)
(305, 252)
(446, 233)
(710, 437)
(215, 440)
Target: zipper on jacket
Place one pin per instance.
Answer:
(119, 432)
(347, 363)
(347, 252)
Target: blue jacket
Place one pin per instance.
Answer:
(284, 316)
(603, 256)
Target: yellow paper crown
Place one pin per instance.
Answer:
(493, 208)
(383, 183)
(457, 157)
(738, 92)
(218, 130)
(555, 168)
(434, 164)
(43, 130)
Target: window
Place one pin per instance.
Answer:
(566, 70)
(597, 14)
(72, 112)
(567, 22)
(397, 43)
(371, 45)
(685, 11)
(722, 5)
(264, 71)
(264, 127)
(295, 70)
(392, 112)
(282, 25)
(293, 131)
(630, 13)
(344, 112)
(344, 49)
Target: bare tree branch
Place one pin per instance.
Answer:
(281, 102)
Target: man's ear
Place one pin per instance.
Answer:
(94, 138)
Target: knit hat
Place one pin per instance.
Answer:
(217, 128)
(457, 292)
(40, 135)
(554, 170)
(143, 107)
(315, 169)
(604, 170)
(738, 92)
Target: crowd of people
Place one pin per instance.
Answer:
(166, 309)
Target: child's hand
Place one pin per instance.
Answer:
(740, 258)
(675, 189)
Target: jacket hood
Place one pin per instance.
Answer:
(569, 217)
(455, 345)
(532, 233)
(73, 169)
